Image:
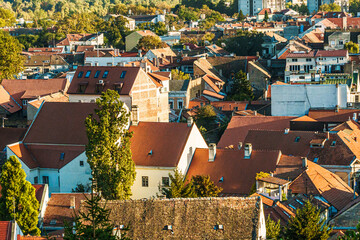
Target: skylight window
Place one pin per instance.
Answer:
(333, 143)
(221, 179)
(62, 156)
(316, 160)
(297, 139)
(80, 74)
(88, 74)
(299, 201)
(123, 73)
(105, 74)
(97, 74)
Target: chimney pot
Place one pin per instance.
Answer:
(190, 121)
(212, 152)
(240, 145)
(286, 130)
(304, 162)
(247, 150)
(72, 202)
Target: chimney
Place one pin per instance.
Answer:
(240, 145)
(304, 162)
(212, 152)
(190, 121)
(72, 202)
(344, 22)
(139, 53)
(337, 108)
(247, 150)
(255, 113)
(134, 115)
(354, 116)
(133, 64)
(286, 131)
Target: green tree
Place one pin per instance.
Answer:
(303, 9)
(178, 187)
(108, 149)
(352, 234)
(204, 187)
(18, 201)
(272, 229)
(176, 74)
(307, 225)
(266, 17)
(332, 7)
(241, 16)
(11, 61)
(7, 18)
(150, 42)
(116, 31)
(245, 43)
(258, 176)
(352, 47)
(91, 222)
(208, 37)
(354, 7)
(241, 89)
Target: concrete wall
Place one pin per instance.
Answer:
(296, 100)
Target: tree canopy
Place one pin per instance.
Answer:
(7, 17)
(241, 89)
(245, 43)
(150, 42)
(11, 61)
(273, 229)
(352, 47)
(332, 7)
(108, 149)
(18, 200)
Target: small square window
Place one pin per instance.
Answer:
(105, 74)
(80, 74)
(165, 181)
(145, 181)
(24, 102)
(87, 74)
(45, 179)
(123, 73)
(97, 74)
(81, 163)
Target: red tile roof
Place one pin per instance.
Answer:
(213, 94)
(316, 180)
(230, 105)
(58, 208)
(20, 89)
(332, 116)
(262, 12)
(5, 230)
(304, 119)
(239, 126)
(10, 135)
(60, 123)
(165, 140)
(237, 172)
(113, 78)
(331, 53)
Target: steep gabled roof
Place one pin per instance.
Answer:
(316, 180)
(158, 144)
(111, 76)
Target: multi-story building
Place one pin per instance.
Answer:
(253, 7)
(311, 67)
(313, 6)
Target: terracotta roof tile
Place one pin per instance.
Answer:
(58, 208)
(332, 116)
(155, 137)
(5, 230)
(112, 77)
(239, 126)
(316, 180)
(213, 94)
(304, 119)
(274, 180)
(10, 135)
(238, 174)
(230, 105)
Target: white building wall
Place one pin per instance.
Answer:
(73, 174)
(195, 140)
(92, 98)
(109, 61)
(296, 100)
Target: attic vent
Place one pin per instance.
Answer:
(150, 153)
(62, 156)
(53, 222)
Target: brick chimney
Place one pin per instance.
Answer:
(304, 162)
(247, 150)
(134, 115)
(212, 152)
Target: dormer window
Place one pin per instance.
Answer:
(105, 74)
(97, 74)
(88, 74)
(123, 73)
(317, 143)
(80, 74)
(99, 86)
